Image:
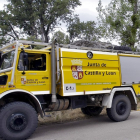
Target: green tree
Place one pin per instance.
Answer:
(83, 30)
(120, 19)
(74, 28)
(61, 37)
(7, 28)
(33, 38)
(90, 31)
(41, 16)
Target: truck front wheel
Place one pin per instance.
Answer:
(18, 120)
(120, 109)
(92, 110)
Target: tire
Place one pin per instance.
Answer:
(121, 108)
(18, 120)
(92, 110)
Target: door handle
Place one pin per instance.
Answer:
(45, 77)
(23, 73)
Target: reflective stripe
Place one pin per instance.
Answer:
(87, 92)
(40, 92)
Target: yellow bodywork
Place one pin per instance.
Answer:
(79, 74)
(88, 76)
(31, 81)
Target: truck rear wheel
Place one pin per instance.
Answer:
(120, 109)
(18, 121)
(92, 110)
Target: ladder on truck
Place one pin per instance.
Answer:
(47, 46)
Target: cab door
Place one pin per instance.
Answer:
(35, 76)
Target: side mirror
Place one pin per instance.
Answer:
(25, 59)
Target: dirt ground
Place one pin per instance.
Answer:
(138, 107)
(69, 115)
(64, 116)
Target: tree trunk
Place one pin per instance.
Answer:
(44, 32)
(134, 26)
(46, 38)
(17, 37)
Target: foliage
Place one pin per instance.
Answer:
(61, 37)
(120, 19)
(40, 17)
(33, 38)
(83, 30)
(7, 28)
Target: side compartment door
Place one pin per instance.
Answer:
(35, 77)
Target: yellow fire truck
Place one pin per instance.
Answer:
(57, 78)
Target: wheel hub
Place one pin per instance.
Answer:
(18, 122)
(121, 108)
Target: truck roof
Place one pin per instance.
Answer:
(47, 47)
(25, 44)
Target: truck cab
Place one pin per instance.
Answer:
(32, 69)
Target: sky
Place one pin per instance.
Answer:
(87, 11)
(2, 2)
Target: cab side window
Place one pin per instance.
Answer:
(36, 62)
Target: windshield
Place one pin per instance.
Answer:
(7, 60)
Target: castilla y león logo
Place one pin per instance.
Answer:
(76, 68)
(23, 80)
